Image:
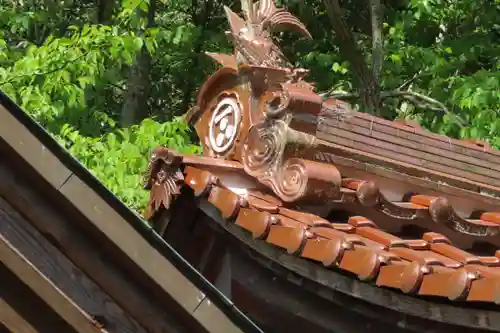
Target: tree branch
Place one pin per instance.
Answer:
(50, 71)
(367, 86)
(138, 90)
(428, 102)
(418, 100)
(377, 39)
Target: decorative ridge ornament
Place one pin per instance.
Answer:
(245, 111)
(263, 15)
(163, 178)
(252, 36)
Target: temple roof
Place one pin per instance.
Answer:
(386, 201)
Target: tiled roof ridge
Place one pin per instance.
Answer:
(413, 126)
(365, 195)
(404, 145)
(430, 265)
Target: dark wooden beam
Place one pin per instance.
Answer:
(86, 254)
(12, 320)
(192, 236)
(25, 309)
(4, 329)
(176, 288)
(56, 267)
(182, 219)
(45, 289)
(286, 307)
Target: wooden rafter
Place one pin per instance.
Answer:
(45, 289)
(13, 320)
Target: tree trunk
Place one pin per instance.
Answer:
(105, 9)
(366, 84)
(377, 39)
(201, 20)
(135, 101)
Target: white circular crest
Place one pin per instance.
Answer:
(223, 127)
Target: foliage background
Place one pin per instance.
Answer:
(109, 79)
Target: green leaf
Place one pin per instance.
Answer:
(138, 43)
(396, 58)
(127, 56)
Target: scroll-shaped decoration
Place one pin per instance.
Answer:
(263, 150)
(292, 179)
(276, 104)
(300, 179)
(163, 179)
(292, 98)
